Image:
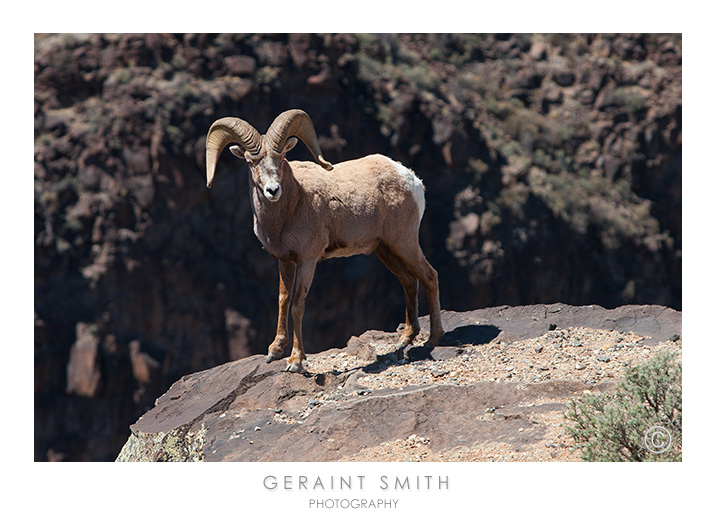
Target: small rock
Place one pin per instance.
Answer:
(257, 428)
(580, 366)
(604, 359)
(414, 439)
(538, 349)
(363, 392)
(509, 369)
(439, 372)
(539, 50)
(563, 77)
(674, 337)
(552, 326)
(576, 343)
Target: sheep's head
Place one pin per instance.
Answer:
(263, 153)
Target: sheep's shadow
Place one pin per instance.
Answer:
(470, 335)
(450, 345)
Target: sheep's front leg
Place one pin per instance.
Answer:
(285, 288)
(303, 280)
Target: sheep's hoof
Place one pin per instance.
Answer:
(406, 340)
(295, 366)
(403, 343)
(433, 340)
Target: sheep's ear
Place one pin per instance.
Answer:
(237, 151)
(290, 143)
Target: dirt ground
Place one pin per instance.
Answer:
(593, 357)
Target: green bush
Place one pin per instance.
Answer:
(630, 98)
(641, 421)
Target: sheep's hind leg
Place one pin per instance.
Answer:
(431, 283)
(410, 286)
(303, 281)
(285, 287)
(418, 265)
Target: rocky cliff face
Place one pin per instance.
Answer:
(552, 166)
(495, 390)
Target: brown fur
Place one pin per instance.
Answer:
(360, 206)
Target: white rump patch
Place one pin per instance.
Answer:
(414, 184)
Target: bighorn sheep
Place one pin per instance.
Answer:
(304, 213)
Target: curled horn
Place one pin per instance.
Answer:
(295, 123)
(223, 132)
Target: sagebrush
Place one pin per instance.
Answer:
(613, 427)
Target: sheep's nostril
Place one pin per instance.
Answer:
(273, 192)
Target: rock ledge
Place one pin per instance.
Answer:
(494, 390)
